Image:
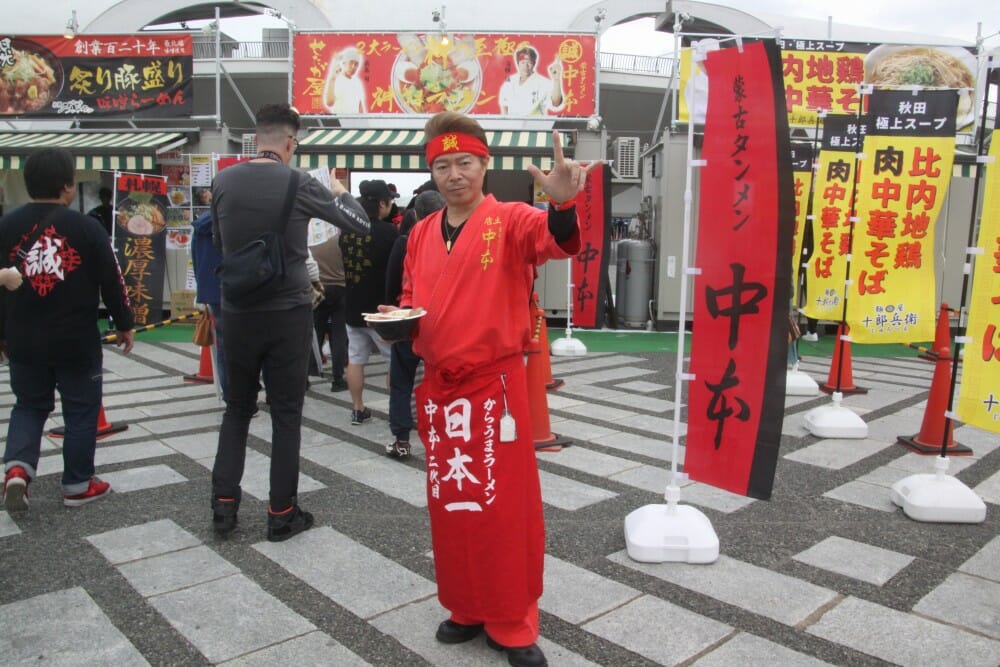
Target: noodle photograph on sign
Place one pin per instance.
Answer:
(927, 67)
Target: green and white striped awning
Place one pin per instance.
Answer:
(122, 150)
(403, 150)
(964, 170)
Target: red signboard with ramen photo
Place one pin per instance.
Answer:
(510, 75)
(148, 76)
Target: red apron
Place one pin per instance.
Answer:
(483, 494)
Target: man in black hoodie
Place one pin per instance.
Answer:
(48, 326)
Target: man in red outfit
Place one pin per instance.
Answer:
(470, 266)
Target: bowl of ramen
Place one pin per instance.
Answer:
(927, 67)
(140, 218)
(436, 83)
(178, 196)
(30, 78)
(396, 324)
(178, 238)
(178, 217)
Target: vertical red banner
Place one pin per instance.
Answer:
(745, 228)
(590, 266)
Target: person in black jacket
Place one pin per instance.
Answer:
(48, 327)
(403, 364)
(365, 260)
(103, 211)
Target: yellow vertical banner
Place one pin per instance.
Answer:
(831, 223)
(979, 395)
(902, 182)
(802, 167)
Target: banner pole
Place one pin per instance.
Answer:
(673, 532)
(802, 266)
(683, 306)
(864, 90)
(568, 346)
(798, 383)
(969, 263)
(939, 497)
(836, 420)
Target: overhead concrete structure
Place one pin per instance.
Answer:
(710, 18)
(122, 16)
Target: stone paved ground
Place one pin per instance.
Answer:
(827, 572)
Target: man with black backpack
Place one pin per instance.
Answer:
(263, 202)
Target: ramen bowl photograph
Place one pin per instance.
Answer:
(179, 196)
(435, 83)
(140, 218)
(927, 67)
(30, 77)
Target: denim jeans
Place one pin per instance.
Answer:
(277, 343)
(80, 391)
(402, 371)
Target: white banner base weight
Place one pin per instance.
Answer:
(670, 533)
(835, 421)
(798, 383)
(568, 347)
(938, 497)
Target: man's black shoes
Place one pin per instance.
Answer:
(288, 523)
(224, 514)
(520, 656)
(450, 632)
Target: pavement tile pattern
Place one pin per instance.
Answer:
(826, 572)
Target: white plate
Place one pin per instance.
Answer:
(390, 320)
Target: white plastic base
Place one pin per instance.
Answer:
(798, 383)
(938, 498)
(674, 533)
(835, 421)
(568, 347)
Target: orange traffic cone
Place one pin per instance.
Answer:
(104, 427)
(204, 375)
(941, 348)
(541, 430)
(935, 426)
(841, 348)
(542, 333)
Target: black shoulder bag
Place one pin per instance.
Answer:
(256, 271)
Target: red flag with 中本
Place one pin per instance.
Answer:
(741, 297)
(590, 265)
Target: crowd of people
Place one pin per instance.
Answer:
(473, 414)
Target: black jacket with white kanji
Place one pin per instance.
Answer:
(68, 266)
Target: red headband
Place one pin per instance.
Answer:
(454, 142)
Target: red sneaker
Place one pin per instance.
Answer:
(97, 489)
(15, 489)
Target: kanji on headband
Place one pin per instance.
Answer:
(454, 142)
